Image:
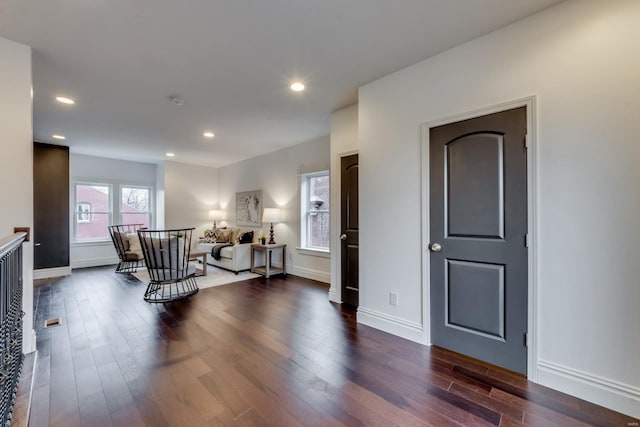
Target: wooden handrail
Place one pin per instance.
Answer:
(10, 242)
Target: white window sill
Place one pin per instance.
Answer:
(314, 252)
(92, 243)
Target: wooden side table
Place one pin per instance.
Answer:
(268, 270)
(195, 254)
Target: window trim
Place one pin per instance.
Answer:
(151, 202)
(74, 237)
(305, 211)
(115, 206)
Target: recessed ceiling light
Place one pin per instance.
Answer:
(54, 136)
(65, 100)
(209, 134)
(171, 155)
(297, 86)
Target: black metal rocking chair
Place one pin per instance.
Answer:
(166, 254)
(125, 239)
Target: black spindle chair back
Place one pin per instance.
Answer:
(166, 255)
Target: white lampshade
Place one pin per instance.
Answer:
(215, 214)
(271, 215)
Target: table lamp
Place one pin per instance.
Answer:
(271, 215)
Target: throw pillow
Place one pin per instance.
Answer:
(246, 237)
(233, 235)
(121, 238)
(134, 244)
(221, 236)
(207, 236)
(215, 233)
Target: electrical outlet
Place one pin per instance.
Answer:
(393, 298)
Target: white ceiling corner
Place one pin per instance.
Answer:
(231, 61)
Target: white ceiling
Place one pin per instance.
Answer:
(231, 61)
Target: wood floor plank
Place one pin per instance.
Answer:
(505, 409)
(260, 352)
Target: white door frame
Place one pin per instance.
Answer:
(532, 227)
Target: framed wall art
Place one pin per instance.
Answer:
(249, 208)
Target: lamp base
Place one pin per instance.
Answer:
(271, 239)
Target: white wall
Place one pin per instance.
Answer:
(580, 60)
(190, 192)
(277, 175)
(160, 202)
(84, 168)
(344, 141)
(16, 163)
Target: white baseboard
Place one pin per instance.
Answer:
(94, 262)
(333, 296)
(29, 346)
(612, 394)
(45, 273)
(391, 324)
(307, 273)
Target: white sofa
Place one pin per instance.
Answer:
(234, 258)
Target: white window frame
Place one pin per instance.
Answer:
(83, 221)
(76, 202)
(151, 201)
(305, 211)
(115, 207)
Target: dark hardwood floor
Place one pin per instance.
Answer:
(260, 352)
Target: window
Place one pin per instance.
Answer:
(97, 207)
(93, 213)
(135, 205)
(314, 192)
(83, 211)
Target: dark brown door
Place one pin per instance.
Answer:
(349, 229)
(478, 226)
(50, 206)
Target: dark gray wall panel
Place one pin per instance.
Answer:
(474, 193)
(475, 297)
(50, 206)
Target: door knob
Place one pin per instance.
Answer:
(435, 247)
(343, 237)
(37, 244)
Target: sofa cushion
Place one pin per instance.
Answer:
(172, 274)
(226, 252)
(132, 256)
(167, 253)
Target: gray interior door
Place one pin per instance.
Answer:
(478, 226)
